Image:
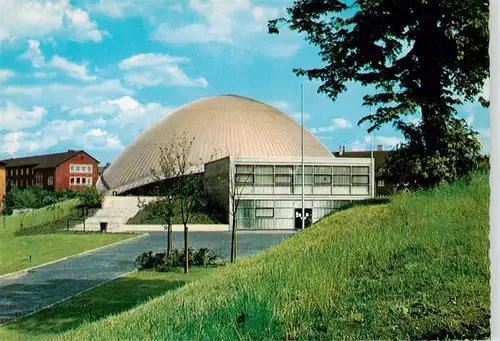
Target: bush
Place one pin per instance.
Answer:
(34, 197)
(90, 197)
(162, 263)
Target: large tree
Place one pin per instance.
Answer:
(422, 56)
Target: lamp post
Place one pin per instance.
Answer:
(302, 143)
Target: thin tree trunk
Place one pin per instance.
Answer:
(233, 242)
(186, 249)
(170, 239)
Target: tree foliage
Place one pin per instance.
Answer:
(421, 56)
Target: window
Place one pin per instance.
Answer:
(50, 181)
(22, 171)
(71, 181)
(72, 168)
(16, 183)
(22, 183)
(27, 171)
(77, 169)
(322, 179)
(32, 182)
(89, 181)
(84, 181)
(283, 179)
(264, 212)
(89, 169)
(341, 170)
(17, 171)
(380, 183)
(264, 175)
(341, 179)
(244, 179)
(360, 179)
(11, 172)
(77, 180)
(360, 170)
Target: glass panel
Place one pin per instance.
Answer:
(246, 223)
(283, 189)
(308, 179)
(360, 179)
(244, 212)
(362, 190)
(341, 170)
(284, 169)
(360, 170)
(264, 169)
(264, 212)
(264, 203)
(283, 203)
(341, 180)
(246, 203)
(323, 179)
(307, 169)
(341, 189)
(264, 179)
(307, 204)
(244, 169)
(244, 179)
(323, 169)
(283, 179)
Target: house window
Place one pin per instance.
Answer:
(11, 172)
(17, 171)
(84, 181)
(322, 179)
(77, 181)
(89, 169)
(72, 169)
(77, 169)
(22, 171)
(50, 181)
(22, 183)
(360, 179)
(72, 181)
(16, 183)
(27, 171)
(380, 183)
(283, 179)
(32, 182)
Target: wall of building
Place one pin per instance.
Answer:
(22, 176)
(216, 184)
(42, 178)
(64, 173)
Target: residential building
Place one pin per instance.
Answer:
(73, 169)
(3, 183)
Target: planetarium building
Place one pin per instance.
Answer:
(258, 162)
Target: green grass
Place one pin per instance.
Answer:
(15, 252)
(150, 215)
(414, 268)
(108, 299)
(39, 240)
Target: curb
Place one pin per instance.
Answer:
(143, 235)
(65, 299)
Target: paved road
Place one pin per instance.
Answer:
(32, 291)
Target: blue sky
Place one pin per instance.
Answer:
(92, 76)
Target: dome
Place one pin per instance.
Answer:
(234, 125)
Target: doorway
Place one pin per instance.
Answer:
(298, 220)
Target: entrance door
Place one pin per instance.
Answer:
(298, 215)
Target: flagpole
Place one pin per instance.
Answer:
(302, 143)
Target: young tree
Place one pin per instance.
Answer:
(422, 57)
(237, 185)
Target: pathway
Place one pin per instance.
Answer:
(28, 292)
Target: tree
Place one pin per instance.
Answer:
(186, 184)
(422, 56)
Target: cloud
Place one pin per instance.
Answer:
(98, 138)
(5, 74)
(485, 93)
(337, 123)
(128, 8)
(387, 142)
(288, 109)
(37, 19)
(16, 118)
(68, 94)
(152, 69)
(41, 74)
(34, 54)
(220, 20)
(76, 71)
(358, 146)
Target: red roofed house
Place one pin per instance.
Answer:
(74, 169)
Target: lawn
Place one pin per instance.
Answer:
(108, 299)
(414, 268)
(151, 215)
(40, 238)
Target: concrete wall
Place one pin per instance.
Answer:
(216, 183)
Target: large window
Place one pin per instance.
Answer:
(85, 169)
(50, 181)
(244, 174)
(264, 175)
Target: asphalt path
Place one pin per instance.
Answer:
(31, 291)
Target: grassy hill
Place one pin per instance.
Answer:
(415, 268)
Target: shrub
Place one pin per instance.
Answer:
(162, 263)
(91, 197)
(34, 197)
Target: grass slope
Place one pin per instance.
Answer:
(416, 268)
(119, 295)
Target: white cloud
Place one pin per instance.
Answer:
(5, 74)
(67, 94)
(34, 54)
(41, 74)
(288, 109)
(220, 21)
(358, 146)
(298, 116)
(337, 123)
(152, 69)
(128, 8)
(77, 71)
(15, 118)
(98, 138)
(36, 19)
(470, 119)
(485, 93)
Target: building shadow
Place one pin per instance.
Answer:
(109, 299)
